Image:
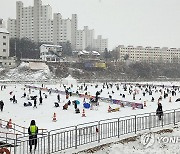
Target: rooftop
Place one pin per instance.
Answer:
(50, 45)
(3, 30)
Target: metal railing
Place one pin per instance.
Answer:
(75, 136)
(17, 129)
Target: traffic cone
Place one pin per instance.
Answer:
(9, 124)
(145, 104)
(109, 109)
(83, 113)
(54, 117)
(169, 99)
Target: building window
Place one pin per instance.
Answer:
(4, 37)
(4, 50)
(4, 43)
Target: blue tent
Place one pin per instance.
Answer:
(86, 105)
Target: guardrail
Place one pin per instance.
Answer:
(124, 79)
(17, 130)
(29, 81)
(74, 136)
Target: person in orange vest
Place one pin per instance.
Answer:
(33, 131)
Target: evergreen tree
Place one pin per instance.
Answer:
(67, 50)
(24, 48)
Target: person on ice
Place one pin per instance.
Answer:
(1, 105)
(24, 95)
(75, 104)
(14, 99)
(152, 100)
(40, 100)
(33, 131)
(65, 107)
(58, 98)
(69, 102)
(35, 103)
(77, 110)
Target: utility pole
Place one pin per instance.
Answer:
(15, 48)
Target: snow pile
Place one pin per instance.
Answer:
(23, 64)
(23, 72)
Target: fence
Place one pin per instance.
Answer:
(75, 136)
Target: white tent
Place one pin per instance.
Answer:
(69, 80)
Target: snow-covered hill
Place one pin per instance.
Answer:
(23, 72)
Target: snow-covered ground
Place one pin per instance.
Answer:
(165, 141)
(43, 113)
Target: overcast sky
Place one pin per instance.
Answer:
(123, 22)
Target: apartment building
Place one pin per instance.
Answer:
(4, 43)
(12, 28)
(61, 30)
(100, 44)
(84, 38)
(74, 24)
(80, 40)
(149, 54)
(89, 37)
(33, 22)
(38, 24)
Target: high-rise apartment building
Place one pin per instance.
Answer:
(89, 37)
(33, 22)
(73, 30)
(12, 28)
(80, 40)
(36, 23)
(100, 44)
(84, 39)
(61, 29)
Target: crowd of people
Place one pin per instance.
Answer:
(127, 89)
